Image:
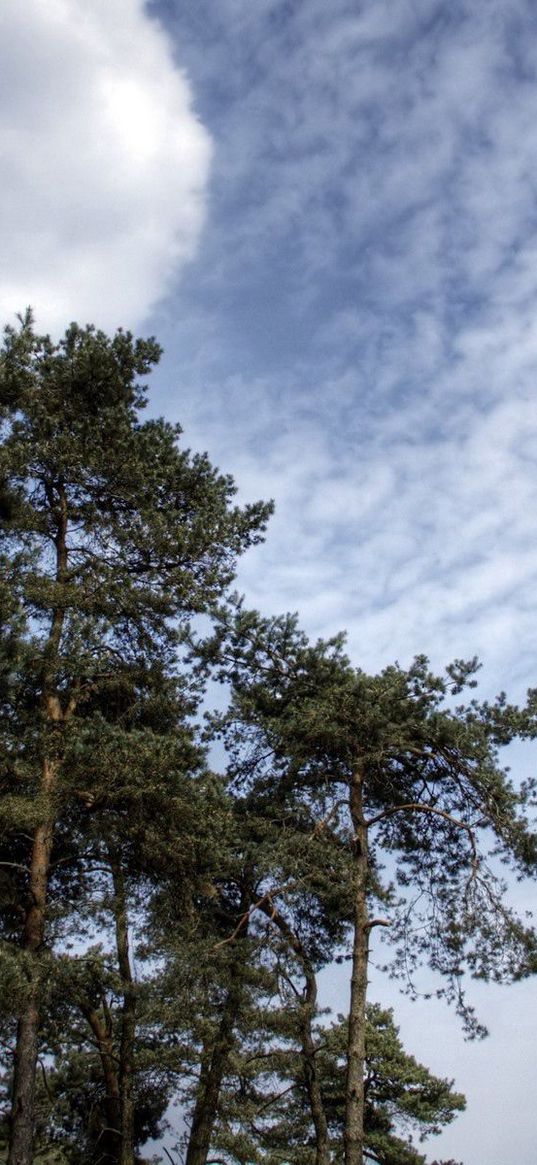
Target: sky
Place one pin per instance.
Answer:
(327, 214)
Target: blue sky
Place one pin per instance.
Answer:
(327, 213)
(361, 311)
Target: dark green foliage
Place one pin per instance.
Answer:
(401, 1094)
(153, 534)
(113, 537)
(265, 1116)
(437, 803)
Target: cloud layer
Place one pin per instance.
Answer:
(104, 162)
(358, 337)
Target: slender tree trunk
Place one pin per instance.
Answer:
(110, 1138)
(355, 1094)
(322, 1147)
(308, 1049)
(26, 1050)
(22, 1122)
(214, 1064)
(216, 1058)
(128, 1016)
(23, 1101)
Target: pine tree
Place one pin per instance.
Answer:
(389, 768)
(265, 1114)
(222, 957)
(113, 537)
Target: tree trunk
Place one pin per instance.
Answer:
(23, 1100)
(22, 1117)
(215, 1059)
(308, 1049)
(214, 1064)
(110, 1138)
(355, 1095)
(128, 1016)
(26, 1050)
(126, 1074)
(313, 1086)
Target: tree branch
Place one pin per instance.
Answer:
(417, 807)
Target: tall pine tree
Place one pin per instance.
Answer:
(390, 768)
(113, 537)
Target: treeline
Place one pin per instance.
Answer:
(163, 925)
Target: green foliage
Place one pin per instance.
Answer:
(265, 1116)
(154, 535)
(439, 808)
(113, 538)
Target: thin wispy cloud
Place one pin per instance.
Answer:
(358, 336)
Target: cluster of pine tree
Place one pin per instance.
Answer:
(163, 925)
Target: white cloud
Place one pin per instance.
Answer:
(413, 525)
(104, 162)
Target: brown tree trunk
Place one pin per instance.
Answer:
(26, 1049)
(110, 1138)
(128, 1016)
(308, 1049)
(214, 1064)
(216, 1058)
(22, 1117)
(355, 1095)
(23, 1100)
(313, 1086)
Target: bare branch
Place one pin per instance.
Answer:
(259, 905)
(377, 922)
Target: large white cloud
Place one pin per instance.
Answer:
(104, 162)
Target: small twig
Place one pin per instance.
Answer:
(417, 807)
(267, 897)
(45, 1081)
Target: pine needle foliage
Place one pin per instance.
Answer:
(113, 537)
(409, 783)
